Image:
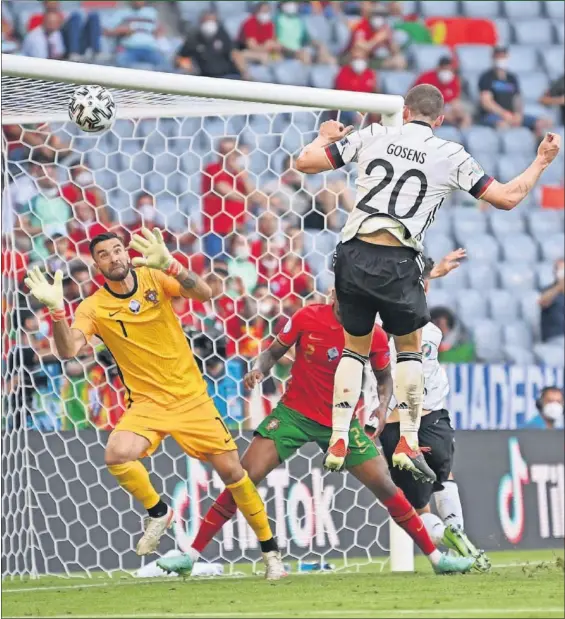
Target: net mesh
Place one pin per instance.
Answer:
(266, 254)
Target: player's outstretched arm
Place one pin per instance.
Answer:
(265, 363)
(313, 158)
(506, 196)
(448, 263)
(156, 256)
(67, 341)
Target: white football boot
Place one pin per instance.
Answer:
(274, 568)
(154, 530)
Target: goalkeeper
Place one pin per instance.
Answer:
(303, 415)
(166, 393)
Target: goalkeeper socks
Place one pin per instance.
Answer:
(449, 504)
(251, 506)
(219, 513)
(134, 478)
(158, 510)
(409, 391)
(434, 526)
(347, 390)
(406, 518)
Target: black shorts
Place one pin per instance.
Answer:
(378, 279)
(435, 432)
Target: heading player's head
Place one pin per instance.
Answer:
(424, 102)
(110, 256)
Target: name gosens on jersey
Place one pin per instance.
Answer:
(405, 175)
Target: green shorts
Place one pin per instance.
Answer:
(290, 430)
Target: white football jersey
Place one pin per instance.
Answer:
(405, 174)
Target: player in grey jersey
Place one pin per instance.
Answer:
(405, 174)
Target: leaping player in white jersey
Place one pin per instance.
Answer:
(436, 438)
(405, 174)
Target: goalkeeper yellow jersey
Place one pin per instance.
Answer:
(145, 337)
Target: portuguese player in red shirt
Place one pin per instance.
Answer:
(303, 415)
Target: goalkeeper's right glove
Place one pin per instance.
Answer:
(51, 295)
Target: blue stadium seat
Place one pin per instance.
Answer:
(426, 57)
(447, 132)
(230, 9)
(439, 8)
(290, 72)
(154, 183)
(233, 23)
(397, 82)
(306, 121)
(545, 272)
(552, 58)
(456, 280)
(438, 297)
(341, 38)
(533, 31)
(521, 10)
(510, 166)
(474, 58)
(482, 276)
(191, 11)
(471, 306)
(323, 75)
(167, 163)
(552, 246)
(555, 10)
(105, 179)
(483, 9)
(518, 355)
(553, 175)
(119, 199)
(530, 309)
(533, 85)
(489, 163)
(319, 28)
(169, 127)
(482, 248)
(517, 333)
(514, 278)
(505, 223)
(522, 59)
(519, 248)
(260, 73)
(502, 306)
(543, 223)
(488, 345)
(129, 181)
(437, 245)
(549, 354)
(482, 139)
(442, 222)
(470, 84)
(504, 31)
(560, 32)
(467, 222)
(142, 163)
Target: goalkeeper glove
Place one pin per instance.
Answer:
(51, 295)
(155, 253)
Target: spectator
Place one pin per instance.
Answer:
(257, 36)
(373, 34)
(137, 29)
(79, 35)
(82, 187)
(84, 226)
(212, 50)
(240, 263)
(446, 79)
(552, 302)
(456, 345)
(79, 285)
(356, 75)
(500, 100)
(59, 253)
(10, 43)
(34, 142)
(225, 389)
(555, 96)
(46, 41)
(293, 37)
(268, 240)
(550, 409)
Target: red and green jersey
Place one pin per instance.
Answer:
(319, 341)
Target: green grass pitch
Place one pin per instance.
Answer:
(521, 584)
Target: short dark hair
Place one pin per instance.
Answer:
(425, 100)
(443, 312)
(429, 264)
(100, 238)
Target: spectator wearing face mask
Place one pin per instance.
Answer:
(445, 78)
(257, 36)
(550, 409)
(356, 75)
(456, 345)
(552, 303)
(373, 34)
(240, 262)
(212, 51)
(500, 98)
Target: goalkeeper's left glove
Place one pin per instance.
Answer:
(334, 460)
(155, 253)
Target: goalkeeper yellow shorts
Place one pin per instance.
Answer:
(196, 425)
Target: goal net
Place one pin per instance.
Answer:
(266, 255)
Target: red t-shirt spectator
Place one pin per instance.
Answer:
(450, 90)
(348, 79)
(221, 215)
(253, 29)
(73, 194)
(363, 31)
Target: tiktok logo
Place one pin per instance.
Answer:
(511, 494)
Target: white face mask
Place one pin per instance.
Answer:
(209, 28)
(358, 65)
(445, 76)
(44, 328)
(377, 22)
(290, 8)
(50, 192)
(266, 307)
(263, 18)
(501, 63)
(553, 411)
(84, 179)
(243, 161)
(560, 273)
(241, 251)
(147, 212)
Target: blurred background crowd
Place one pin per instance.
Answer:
(231, 205)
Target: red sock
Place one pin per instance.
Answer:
(406, 517)
(221, 511)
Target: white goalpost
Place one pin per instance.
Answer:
(62, 513)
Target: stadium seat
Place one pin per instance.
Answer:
(143, 163)
(456, 280)
(505, 223)
(290, 72)
(555, 10)
(439, 8)
(504, 31)
(482, 9)
(510, 166)
(467, 222)
(517, 333)
(560, 32)
(447, 132)
(516, 277)
(426, 57)
(191, 11)
(502, 306)
(552, 246)
(542, 223)
(482, 276)
(532, 86)
(553, 175)
(545, 272)
(105, 179)
(397, 82)
(549, 354)
(233, 23)
(516, 9)
(488, 341)
(156, 183)
(482, 139)
(552, 58)
(530, 310)
(230, 9)
(533, 31)
(323, 75)
(437, 245)
(474, 58)
(471, 306)
(442, 223)
(482, 248)
(319, 28)
(518, 355)
(438, 297)
(522, 59)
